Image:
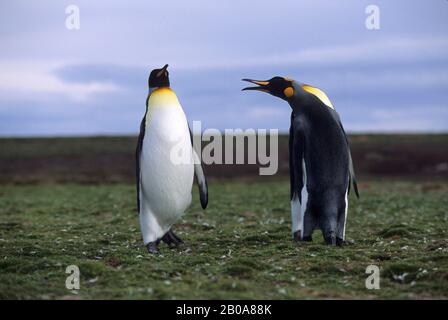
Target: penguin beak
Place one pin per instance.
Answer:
(263, 85)
(162, 71)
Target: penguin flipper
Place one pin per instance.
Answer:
(295, 160)
(202, 181)
(138, 152)
(350, 165)
(352, 174)
(200, 176)
(303, 223)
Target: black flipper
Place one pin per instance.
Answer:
(350, 165)
(352, 174)
(200, 176)
(295, 155)
(138, 152)
(350, 161)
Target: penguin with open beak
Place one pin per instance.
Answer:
(321, 167)
(166, 163)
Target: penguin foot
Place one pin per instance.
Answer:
(340, 242)
(330, 239)
(297, 236)
(171, 238)
(153, 247)
(307, 238)
(178, 239)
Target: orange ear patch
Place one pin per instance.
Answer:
(288, 92)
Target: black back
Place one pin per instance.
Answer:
(327, 153)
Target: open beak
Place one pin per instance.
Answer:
(261, 85)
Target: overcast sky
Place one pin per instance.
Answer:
(56, 81)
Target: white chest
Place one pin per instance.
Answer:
(166, 167)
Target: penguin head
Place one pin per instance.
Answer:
(278, 86)
(159, 78)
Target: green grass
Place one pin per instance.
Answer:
(239, 248)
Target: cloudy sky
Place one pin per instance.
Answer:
(56, 81)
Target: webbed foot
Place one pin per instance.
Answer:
(153, 247)
(297, 236)
(340, 242)
(171, 238)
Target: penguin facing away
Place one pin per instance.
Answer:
(165, 168)
(321, 167)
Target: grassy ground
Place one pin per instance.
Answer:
(239, 248)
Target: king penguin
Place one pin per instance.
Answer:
(321, 167)
(166, 164)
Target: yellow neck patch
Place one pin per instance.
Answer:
(320, 94)
(163, 97)
(288, 92)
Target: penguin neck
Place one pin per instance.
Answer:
(159, 99)
(162, 97)
(298, 103)
(298, 98)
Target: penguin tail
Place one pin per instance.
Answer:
(329, 210)
(328, 227)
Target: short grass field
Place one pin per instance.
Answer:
(240, 247)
